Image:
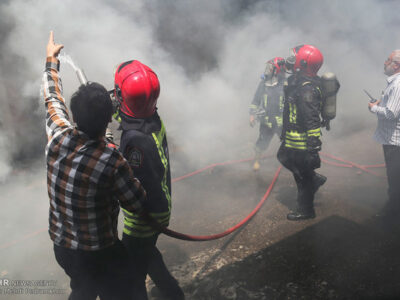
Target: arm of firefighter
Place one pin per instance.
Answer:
(392, 109)
(128, 189)
(57, 117)
(144, 159)
(309, 107)
(255, 104)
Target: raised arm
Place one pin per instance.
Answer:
(57, 117)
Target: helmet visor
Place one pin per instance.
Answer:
(289, 63)
(269, 69)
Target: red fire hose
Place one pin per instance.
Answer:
(351, 164)
(198, 238)
(178, 235)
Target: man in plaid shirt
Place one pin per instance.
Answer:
(87, 182)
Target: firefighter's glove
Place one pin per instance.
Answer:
(326, 123)
(252, 120)
(313, 144)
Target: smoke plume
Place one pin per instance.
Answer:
(208, 56)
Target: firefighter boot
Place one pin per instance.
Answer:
(318, 181)
(305, 200)
(256, 165)
(301, 214)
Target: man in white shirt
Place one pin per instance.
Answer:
(387, 110)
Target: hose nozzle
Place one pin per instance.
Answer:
(81, 76)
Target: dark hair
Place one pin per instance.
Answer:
(91, 109)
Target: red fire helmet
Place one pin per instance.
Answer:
(275, 65)
(306, 59)
(136, 88)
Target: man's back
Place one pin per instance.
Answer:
(83, 212)
(85, 178)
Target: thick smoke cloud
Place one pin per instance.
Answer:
(208, 55)
(21, 132)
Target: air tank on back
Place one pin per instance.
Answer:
(329, 87)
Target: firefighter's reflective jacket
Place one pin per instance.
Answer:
(267, 103)
(144, 145)
(301, 114)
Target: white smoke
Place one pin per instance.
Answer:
(208, 56)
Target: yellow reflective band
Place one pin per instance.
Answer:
(292, 113)
(128, 213)
(161, 214)
(296, 143)
(116, 116)
(253, 106)
(295, 147)
(278, 121)
(314, 132)
(158, 138)
(134, 224)
(265, 100)
(142, 222)
(139, 234)
(281, 102)
(140, 228)
(295, 140)
(137, 227)
(294, 135)
(266, 122)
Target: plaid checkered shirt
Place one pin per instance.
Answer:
(87, 181)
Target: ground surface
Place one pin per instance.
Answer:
(344, 253)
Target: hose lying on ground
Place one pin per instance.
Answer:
(182, 236)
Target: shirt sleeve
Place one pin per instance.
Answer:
(128, 189)
(57, 117)
(392, 109)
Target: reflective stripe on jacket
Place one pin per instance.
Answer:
(144, 145)
(268, 100)
(301, 114)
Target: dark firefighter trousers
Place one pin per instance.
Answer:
(265, 137)
(302, 164)
(147, 259)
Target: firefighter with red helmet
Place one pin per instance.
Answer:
(144, 145)
(267, 106)
(301, 131)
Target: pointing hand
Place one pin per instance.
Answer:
(53, 49)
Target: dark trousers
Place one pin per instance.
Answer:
(147, 259)
(103, 273)
(301, 164)
(265, 137)
(392, 160)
